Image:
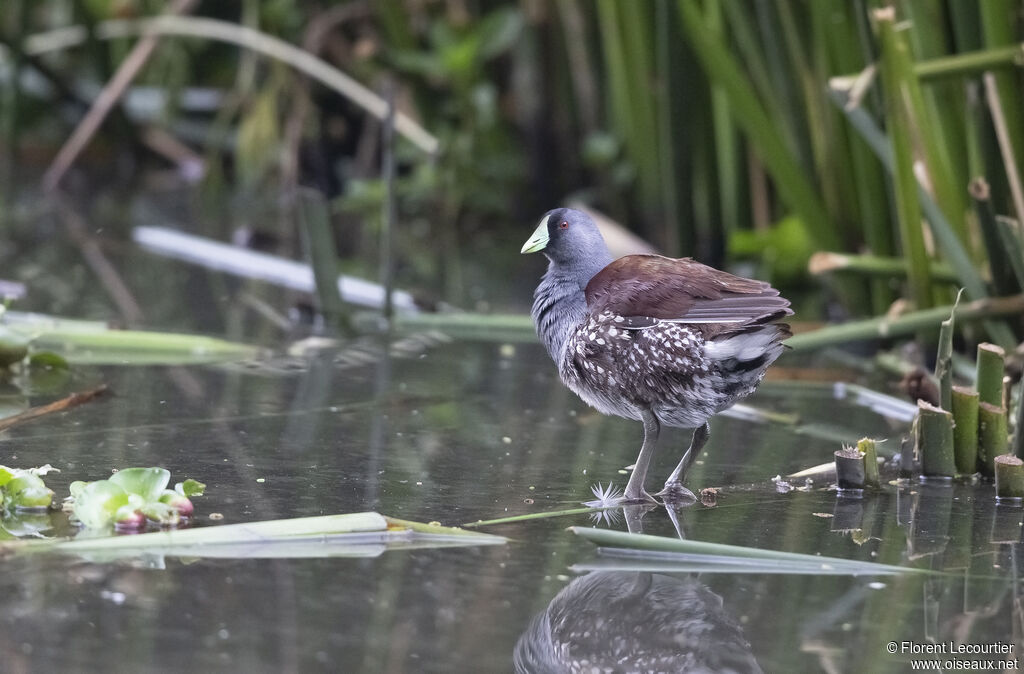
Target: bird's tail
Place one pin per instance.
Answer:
(750, 349)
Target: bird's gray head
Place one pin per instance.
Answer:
(570, 239)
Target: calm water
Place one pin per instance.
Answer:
(461, 431)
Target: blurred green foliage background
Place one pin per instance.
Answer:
(736, 131)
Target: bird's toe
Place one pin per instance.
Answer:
(675, 494)
(641, 498)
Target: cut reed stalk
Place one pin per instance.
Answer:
(1018, 428)
(992, 437)
(990, 368)
(935, 441)
(866, 447)
(965, 429)
(850, 470)
(1009, 477)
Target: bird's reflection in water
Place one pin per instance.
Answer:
(619, 621)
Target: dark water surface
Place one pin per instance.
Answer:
(457, 432)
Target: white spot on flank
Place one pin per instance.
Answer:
(600, 341)
(613, 331)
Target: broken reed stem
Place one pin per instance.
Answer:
(1018, 429)
(965, 429)
(828, 262)
(991, 363)
(849, 468)
(935, 440)
(992, 438)
(887, 327)
(944, 359)
(1009, 477)
(73, 400)
(944, 364)
(866, 447)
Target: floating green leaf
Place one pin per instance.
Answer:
(27, 491)
(149, 483)
(97, 504)
(23, 488)
(190, 487)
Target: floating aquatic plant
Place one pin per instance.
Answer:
(133, 497)
(23, 488)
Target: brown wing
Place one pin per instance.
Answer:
(656, 287)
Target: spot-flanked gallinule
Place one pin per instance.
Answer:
(651, 338)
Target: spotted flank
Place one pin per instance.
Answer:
(686, 373)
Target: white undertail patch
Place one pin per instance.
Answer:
(745, 345)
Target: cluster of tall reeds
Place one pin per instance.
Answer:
(852, 118)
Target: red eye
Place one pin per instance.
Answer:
(564, 224)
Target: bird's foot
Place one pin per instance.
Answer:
(675, 494)
(643, 498)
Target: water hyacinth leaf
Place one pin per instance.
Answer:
(76, 488)
(178, 502)
(129, 517)
(33, 497)
(161, 513)
(97, 504)
(6, 475)
(27, 491)
(149, 483)
(190, 488)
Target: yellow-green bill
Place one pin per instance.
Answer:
(538, 240)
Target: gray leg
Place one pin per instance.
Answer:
(674, 489)
(635, 516)
(635, 487)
